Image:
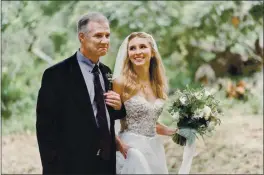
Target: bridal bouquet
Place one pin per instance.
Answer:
(194, 111)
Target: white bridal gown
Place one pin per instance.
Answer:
(138, 130)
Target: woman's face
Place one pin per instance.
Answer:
(139, 51)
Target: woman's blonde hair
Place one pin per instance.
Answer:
(156, 70)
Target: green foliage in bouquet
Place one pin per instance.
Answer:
(194, 111)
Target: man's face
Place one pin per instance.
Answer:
(96, 40)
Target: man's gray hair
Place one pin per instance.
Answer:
(85, 19)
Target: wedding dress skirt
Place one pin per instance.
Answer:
(146, 155)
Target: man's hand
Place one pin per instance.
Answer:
(113, 99)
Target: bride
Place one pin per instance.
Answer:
(139, 78)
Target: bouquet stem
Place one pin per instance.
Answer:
(179, 139)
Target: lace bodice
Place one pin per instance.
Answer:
(141, 115)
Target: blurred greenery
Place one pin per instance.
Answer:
(36, 35)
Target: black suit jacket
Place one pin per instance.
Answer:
(67, 134)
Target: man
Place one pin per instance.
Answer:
(76, 110)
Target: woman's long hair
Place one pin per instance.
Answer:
(156, 70)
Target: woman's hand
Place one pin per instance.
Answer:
(122, 147)
(170, 132)
(164, 130)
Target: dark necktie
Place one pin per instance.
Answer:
(105, 137)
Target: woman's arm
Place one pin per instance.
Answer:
(121, 146)
(118, 88)
(164, 130)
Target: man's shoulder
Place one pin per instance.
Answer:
(62, 65)
(105, 67)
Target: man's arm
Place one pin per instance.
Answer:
(46, 124)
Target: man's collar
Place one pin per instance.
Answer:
(86, 60)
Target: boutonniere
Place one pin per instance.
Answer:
(110, 79)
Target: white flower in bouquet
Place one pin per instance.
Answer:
(207, 112)
(207, 93)
(198, 113)
(198, 95)
(183, 100)
(211, 126)
(176, 116)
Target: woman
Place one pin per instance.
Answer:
(142, 86)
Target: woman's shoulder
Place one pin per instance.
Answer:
(118, 85)
(119, 81)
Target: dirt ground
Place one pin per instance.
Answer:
(236, 147)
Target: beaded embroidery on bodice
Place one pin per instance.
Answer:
(141, 116)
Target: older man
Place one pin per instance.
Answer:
(75, 108)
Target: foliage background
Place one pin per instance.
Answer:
(38, 34)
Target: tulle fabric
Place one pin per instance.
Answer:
(146, 155)
(188, 154)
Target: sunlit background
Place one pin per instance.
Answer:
(215, 44)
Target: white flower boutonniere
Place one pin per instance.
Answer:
(110, 79)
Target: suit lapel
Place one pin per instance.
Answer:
(106, 82)
(80, 91)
